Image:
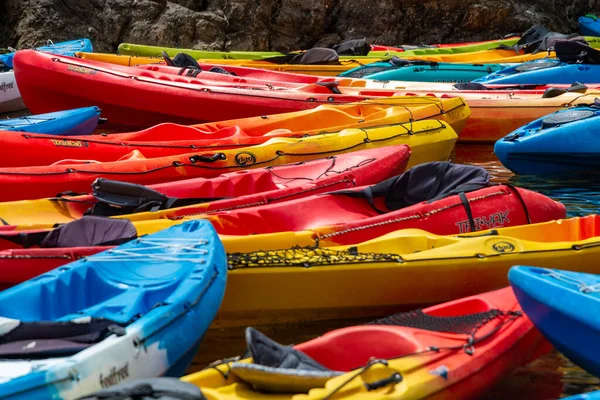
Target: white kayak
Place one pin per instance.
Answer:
(10, 97)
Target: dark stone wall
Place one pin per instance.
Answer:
(277, 24)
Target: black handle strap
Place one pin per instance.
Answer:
(395, 378)
(208, 159)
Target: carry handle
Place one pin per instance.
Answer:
(208, 159)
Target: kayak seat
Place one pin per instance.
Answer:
(565, 117)
(220, 70)
(38, 340)
(84, 232)
(120, 198)
(426, 182)
(149, 389)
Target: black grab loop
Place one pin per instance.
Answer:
(332, 85)
(393, 379)
(465, 202)
(565, 117)
(522, 201)
(208, 159)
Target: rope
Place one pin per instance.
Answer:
(135, 254)
(411, 217)
(468, 347)
(582, 286)
(313, 256)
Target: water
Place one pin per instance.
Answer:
(550, 377)
(580, 193)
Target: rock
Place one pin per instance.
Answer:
(277, 24)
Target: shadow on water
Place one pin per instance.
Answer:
(579, 192)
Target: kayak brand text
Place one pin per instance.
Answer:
(493, 220)
(115, 376)
(7, 86)
(81, 70)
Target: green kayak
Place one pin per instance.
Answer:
(154, 51)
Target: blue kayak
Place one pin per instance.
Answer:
(585, 396)
(589, 25)
(423, 71)
(80, 121)
(136, 311)
(565, 141)
(544, 72)
(564, 306)
(63, 48)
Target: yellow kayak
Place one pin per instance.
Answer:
(321, 70)
(429, 140)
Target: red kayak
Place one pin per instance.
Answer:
(455, 350)
(32, 149)
(439, 197)
(232, 74)
(136, 97)
(235, 190)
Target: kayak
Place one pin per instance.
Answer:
(135, 97)
(422, 71)
(563, 305)
(544, 72)
(260, 67)
(234, 190)
(153, 51)
(420, 198)
(429, 140)
(585, 396)
(146, 292)
(81, 121)
(490, 55)
(378, 47)
(455, 350)
(62, 48)
(382, 269)
(495, 113)
(130, 49)
(169, 139)
(589, 25)
(10, 97)
(558, 143)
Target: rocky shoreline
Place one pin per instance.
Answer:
(277, 24)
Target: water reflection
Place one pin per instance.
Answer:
(580, 192)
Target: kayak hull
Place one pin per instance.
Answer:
(186, 301)
(81, 121)
(452, 374)
(235, 190)
(559, 305)
(547, 147)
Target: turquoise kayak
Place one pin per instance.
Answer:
(80, 121)
(397, 69)
(136, 311)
